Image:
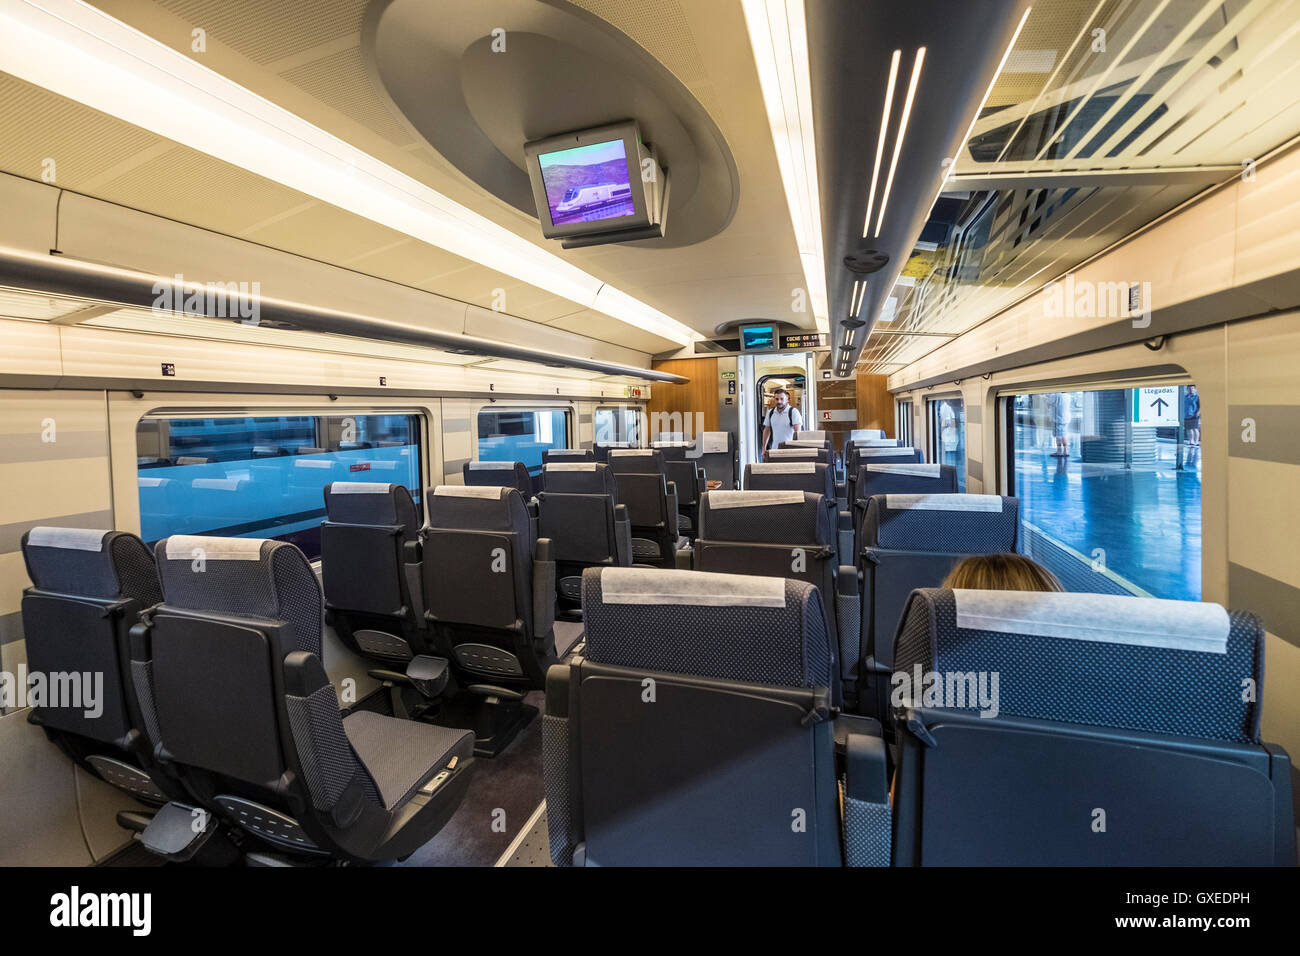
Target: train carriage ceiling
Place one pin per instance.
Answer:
(1073, 123)
(1106, 115)
(307, 57)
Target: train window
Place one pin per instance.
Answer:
(264, 476)
(1109, 482)
(616, 423)
(948, 435)
(903, 424)
(521, 434)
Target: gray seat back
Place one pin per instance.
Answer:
(813, 476)
(567, 454)
(720, 459)
(486, 603)
(601, 450)
(495, 474)
(733, 762)
(1136, 702)
(799, 453)
(910, 541)
(88, 588)
(636, 461)
(370, 568)
(577, 512)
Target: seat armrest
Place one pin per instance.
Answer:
(868, 817)
(848, 725)
(848, 618)
(543, 588)
(672, 509)
(685, 558)
(413, 569)
(562, 776)
(304, 674)
(622, 536)
(141, 642)
(866, 768)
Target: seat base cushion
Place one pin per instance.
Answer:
(402, 755)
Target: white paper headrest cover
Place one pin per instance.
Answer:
(753, 499)
(914, 468)
(1146, 622)
(76, 539)
(358, 488)
(183, 546)
(698, 588)
(468, 491)
(943, 502)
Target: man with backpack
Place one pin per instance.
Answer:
(781, 423)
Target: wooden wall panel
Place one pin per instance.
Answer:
(698, 395)
(875, 403)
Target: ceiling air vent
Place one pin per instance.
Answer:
(866, 261)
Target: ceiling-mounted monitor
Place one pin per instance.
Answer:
(759, 337)
(598, 185)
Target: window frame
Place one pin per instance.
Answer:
(567, 408)
(904, 423)
(1004, 396)
(637, 409)
(932, 432)
(421, 414)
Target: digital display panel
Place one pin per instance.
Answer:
(587, 183)
(755, 338)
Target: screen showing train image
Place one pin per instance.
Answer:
(587, 183)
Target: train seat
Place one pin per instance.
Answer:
(804, 453)
(694, 729)
(651, 500)
(860, 455)
(567, 454)
(371, 570)
(489, 585)
(229, 672)
(688, 479)
(900, 478)
(913, 541)
(791, 475)
(720, 459)
(812, 476)
(601, 449)
(576, 511)
(1118, 733)
(788, 534)
(495, 474)
(88, 589)
(674, 449)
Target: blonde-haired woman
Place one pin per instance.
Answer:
(1001, 572)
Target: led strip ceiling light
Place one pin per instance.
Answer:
(778, 35)
(79, 52)
(898, 141)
